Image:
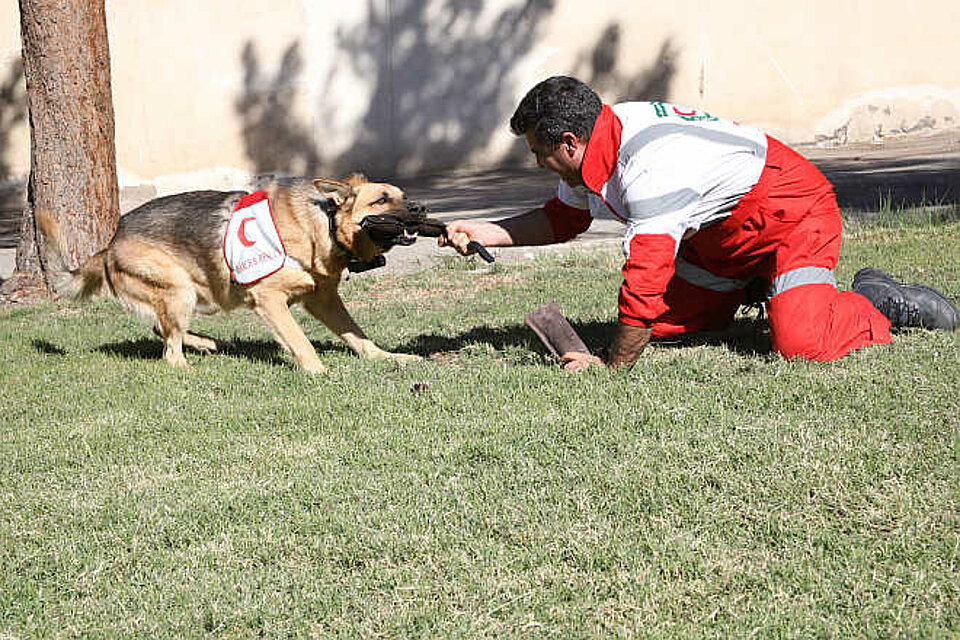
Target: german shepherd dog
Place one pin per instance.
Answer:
(166, 261)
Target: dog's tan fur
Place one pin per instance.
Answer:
(165, 271)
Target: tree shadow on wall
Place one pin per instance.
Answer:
(600, 68)
(438, 94)
(13, 112)
(441, 79)
(273, 137)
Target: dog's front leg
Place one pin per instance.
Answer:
(327, 307)
(272, 307)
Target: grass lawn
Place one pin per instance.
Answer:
(715, 490)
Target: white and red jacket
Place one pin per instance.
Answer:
(665, 172)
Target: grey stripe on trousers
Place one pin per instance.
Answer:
(704, 279)
(799, 277)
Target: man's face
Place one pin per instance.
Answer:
(564, 159)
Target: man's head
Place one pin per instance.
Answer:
(556, 117)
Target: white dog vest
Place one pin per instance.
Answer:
(252, 246)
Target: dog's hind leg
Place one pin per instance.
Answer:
(150, 279)
(195, 341)
(201, 343)
(173, 320)
(170, 311)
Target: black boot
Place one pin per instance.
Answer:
(906, 305)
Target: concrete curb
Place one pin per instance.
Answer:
(8, 262)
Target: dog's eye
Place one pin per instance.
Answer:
(384, 199)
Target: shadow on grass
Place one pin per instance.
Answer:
(499, 338)
(265, 351)
(48, 348)
(745, 336)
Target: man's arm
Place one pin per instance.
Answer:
(556, 221)
(526, 229)
(628, 345)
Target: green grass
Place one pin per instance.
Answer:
(891, 215)
(713, 491)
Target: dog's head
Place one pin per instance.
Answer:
(369, 218)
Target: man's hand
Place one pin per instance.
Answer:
(460, 233)
(626, 348)
(527, 229)
(575, 361)
(624, 352)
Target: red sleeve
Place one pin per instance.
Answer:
(646, 273)
(567, 222)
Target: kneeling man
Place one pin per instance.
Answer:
(709, 206)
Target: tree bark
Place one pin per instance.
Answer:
(73, 174)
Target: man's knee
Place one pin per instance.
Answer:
(817, 322)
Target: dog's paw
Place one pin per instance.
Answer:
(313, 367)
(205, 346)
(404, 358)
(178, 363)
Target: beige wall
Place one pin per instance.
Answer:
(208, 94)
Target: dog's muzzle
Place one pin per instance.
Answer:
(400, 227)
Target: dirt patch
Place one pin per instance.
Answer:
(22, 289)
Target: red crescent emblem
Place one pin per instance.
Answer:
(244, 240)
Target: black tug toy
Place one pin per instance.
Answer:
(389, 229)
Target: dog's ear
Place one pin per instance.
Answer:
(356, 179)
(339, 192)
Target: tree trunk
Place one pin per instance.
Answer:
(73, 174)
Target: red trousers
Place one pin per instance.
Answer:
(786, 231)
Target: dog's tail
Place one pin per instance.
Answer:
(89, 280)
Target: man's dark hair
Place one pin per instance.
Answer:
(557, 104)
